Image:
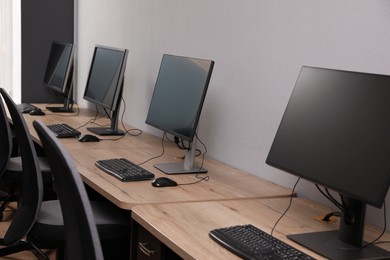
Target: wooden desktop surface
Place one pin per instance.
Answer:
(184, 227)
(225, 182)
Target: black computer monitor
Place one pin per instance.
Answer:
(177, 103)
(335, 132)
(59, 74)
(105, 84)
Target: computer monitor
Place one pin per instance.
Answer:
(59, 74)
(177, 103)
(335, 132)
(105, 84)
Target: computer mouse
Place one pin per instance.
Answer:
(36, 112)
(88, 138)
(163, 182)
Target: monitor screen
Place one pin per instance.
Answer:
(59, 66)
(177, 102)
(59, 74)
(179, 94)
(335, 132)
(105, 82)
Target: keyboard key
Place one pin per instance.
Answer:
(63, 130)
(249, 242)
(26, 108)
(124, 170)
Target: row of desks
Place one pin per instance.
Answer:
(224, 183)
(181, 216)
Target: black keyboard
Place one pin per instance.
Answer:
(63, 130)
(26, 107)
(249, 242)
(124, 170)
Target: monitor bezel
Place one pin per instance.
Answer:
(119, 84)
(114, 105)
(190, 137)
(68, 80)
(379, 200)
(346, 242)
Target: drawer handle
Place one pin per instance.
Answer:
(144, 248)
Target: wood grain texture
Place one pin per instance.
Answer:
(184, 227)
(225, 182)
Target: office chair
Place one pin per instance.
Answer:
(81, 235)
(48, 227)
(11, 173)
(32, 187)
(111, 223)
(5, 142)
(31, 200)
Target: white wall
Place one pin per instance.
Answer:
(258, 46)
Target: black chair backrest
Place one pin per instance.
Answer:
(5, 138)
(82, 239)
(31, 192)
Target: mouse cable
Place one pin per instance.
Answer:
(69, 96)
(180, 144)
(164, 136)
(95, 118)
(288, 207)
(77, 109)
(123, 124)
(129, 131)
(344, 208)
(157, 156)
(200, 178)
(205, 178)
(329, 196)
(89, 121)
(375, 241)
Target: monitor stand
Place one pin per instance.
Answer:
(105, 131)
(68, 102)
(327, 244)
(188, 166)
(60, 109)
(113, 129)
(347, 242)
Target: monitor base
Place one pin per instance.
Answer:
(105, 131)
(178, 168)
(327, 244)
(60, 109)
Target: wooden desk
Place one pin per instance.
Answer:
(225, 182)
(184, 227)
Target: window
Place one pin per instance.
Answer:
(10, 62)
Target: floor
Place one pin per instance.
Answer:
(3, 228)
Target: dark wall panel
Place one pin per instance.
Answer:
(42, 22)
